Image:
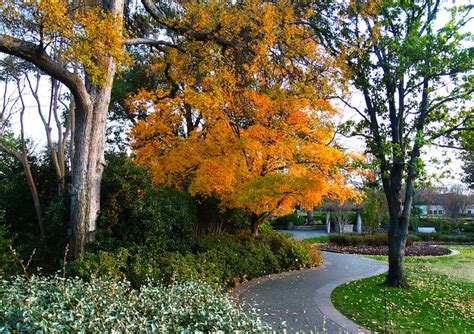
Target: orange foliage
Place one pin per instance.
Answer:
(250, 123)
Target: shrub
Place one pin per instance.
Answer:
(415, 237)
(52, 304)
(227, 259)
(7, 265)
(446, 237)
(99, 264)
(292, 219)
(439, 223)
(467, 226)
(430, 236)
(134, 212)
(319, 217)
(378, 239)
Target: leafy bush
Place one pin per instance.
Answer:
(439, 223)
(430, 236)
(415, 237)
(100, 264)
(446, 237)
(7, 265)
(378, 239)
(226, 259)
(457, 237)
(71, 305)
(319, 217)
(467, 227)
(134, 212)
(292, 219)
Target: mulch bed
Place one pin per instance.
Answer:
(417, 249)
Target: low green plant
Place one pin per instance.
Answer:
(57, 305)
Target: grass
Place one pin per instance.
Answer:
(440, 300)
(460, 266)
(318, 240)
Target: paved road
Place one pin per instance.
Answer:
(302, 298)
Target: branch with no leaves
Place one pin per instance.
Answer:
(24, 267)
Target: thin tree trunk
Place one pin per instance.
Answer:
(34, 193)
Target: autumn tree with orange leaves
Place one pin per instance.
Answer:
(244, 115)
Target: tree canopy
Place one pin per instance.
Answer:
(415, 77)
(244, 116)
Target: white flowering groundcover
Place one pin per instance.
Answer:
(55, 304)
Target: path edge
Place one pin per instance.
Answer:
(322, 300)
(326, 307)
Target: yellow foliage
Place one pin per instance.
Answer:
(83, 36)
(251, 122)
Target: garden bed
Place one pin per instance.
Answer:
(417, 249)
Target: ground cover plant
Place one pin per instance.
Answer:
(58, 305)
(440, 299)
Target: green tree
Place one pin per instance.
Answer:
(467, 156)
(415, 79)
(373, 209)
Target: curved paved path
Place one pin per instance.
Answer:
(302, 298)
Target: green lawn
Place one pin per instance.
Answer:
(440, 300)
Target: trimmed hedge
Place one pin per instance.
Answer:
(379, 239)
(57, 305)
(446, 237)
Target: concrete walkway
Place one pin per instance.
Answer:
(301, 299)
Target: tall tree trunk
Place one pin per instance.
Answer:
(89, 160)
(88, 165)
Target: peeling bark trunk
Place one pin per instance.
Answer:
(88, 166)
(89, 160)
